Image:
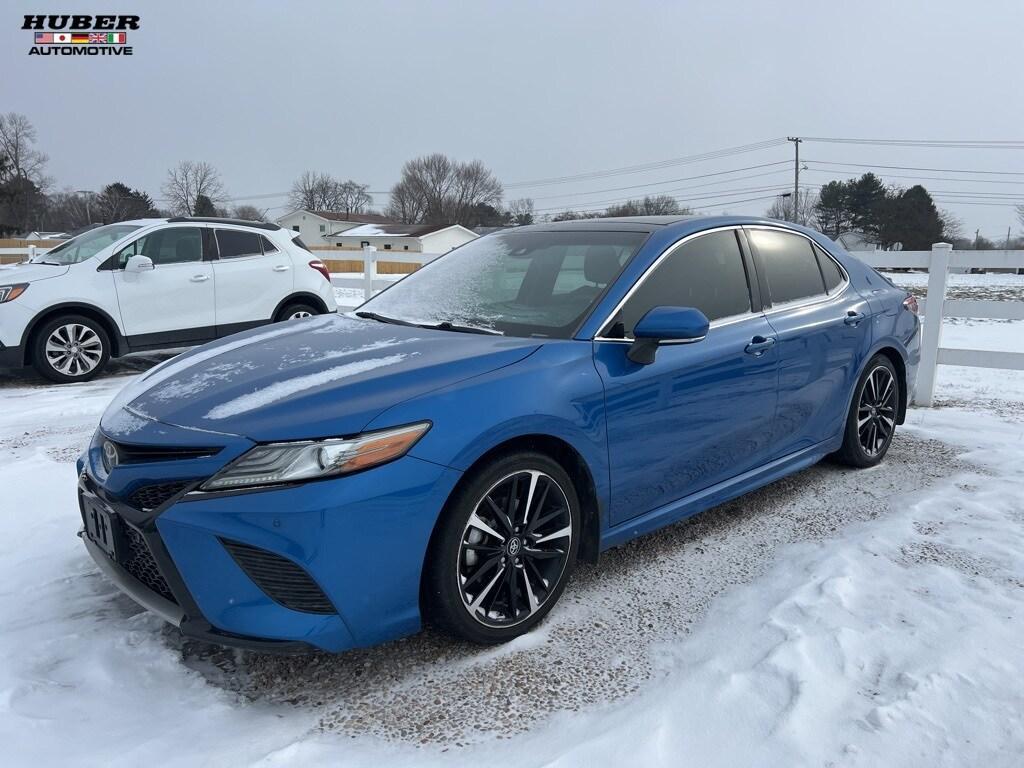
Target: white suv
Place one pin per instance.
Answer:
(151, 284)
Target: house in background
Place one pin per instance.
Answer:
(46, 236)
(415, 238)
(315, 226)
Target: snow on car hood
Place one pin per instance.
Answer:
(327, 376)
(29, 273)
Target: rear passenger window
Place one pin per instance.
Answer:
(706, 273)
(268, 247)
(235, 242)
(790, 265)
(829, 270)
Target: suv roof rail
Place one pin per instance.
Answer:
(218, 220)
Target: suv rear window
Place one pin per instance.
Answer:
(298, 241)
(234, 243)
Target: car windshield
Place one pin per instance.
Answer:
(515, 283)
(86, 245)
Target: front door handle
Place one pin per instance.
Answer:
(200, 278)
(281, 268)
(759, 345)
(853, 318)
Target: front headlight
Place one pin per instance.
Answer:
(11, 292)
(290, 462)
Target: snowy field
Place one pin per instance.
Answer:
(834, 618)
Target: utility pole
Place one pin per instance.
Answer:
(796, 173)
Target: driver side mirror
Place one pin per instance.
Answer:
(138, 263)
(679, 324)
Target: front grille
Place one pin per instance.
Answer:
(282, 580)
(138, 454)
(149, 497)
(138, 560)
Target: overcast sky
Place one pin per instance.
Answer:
(265, 90)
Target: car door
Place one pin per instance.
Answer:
(253, 277)
(702, 412)
(823, 329)
(174, 301)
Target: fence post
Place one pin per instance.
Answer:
(369, 270)
(31, 252)
(938, 271)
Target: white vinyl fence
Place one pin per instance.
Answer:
(23, 253)
(936, 306)
(369, 283)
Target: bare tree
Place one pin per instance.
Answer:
(17, 140)
(520, 211)
(250, 213)
(782, 208)
(188, 182)
(352, 197)
(435, 189)
(1020, 214)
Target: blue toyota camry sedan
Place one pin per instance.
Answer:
(451, 449)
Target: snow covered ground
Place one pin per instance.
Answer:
(349, 298)
(834, 618)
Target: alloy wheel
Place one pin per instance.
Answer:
(514, 548)
(876, 411)
(299, 314)
(74, 349)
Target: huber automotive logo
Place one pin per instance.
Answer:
(74, 35)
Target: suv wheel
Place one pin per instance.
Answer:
(297, 311)
(70, 348)
(505, 549)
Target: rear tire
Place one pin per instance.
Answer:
(296, 311)
(871, 422)
(505, 549)
(70, 348)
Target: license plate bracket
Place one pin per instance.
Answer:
(102, 528)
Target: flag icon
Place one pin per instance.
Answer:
(44, 38)
(80, 39)
(62, 37)
(106, 38)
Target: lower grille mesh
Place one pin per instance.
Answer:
(139, 562)
(282, 580)
(149, 497)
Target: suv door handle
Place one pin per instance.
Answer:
(281, 268)
(759, 345)
(853, 318)
(200, 278)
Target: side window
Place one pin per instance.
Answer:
(234, 243)
(706, 273)
(268, 247)
(829, 270)
(175, 245)
(790, 265)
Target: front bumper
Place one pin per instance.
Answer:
(362, 539)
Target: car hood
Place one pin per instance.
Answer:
(29, 273)
(326, 376)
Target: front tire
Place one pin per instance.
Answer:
(505, 549)
(871, 422)
(70, 348)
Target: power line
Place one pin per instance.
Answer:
(918, 168)
(683, 198)
(934, 143)
(656, 165)
(929, 178)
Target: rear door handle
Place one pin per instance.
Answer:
(281, 268)
(853, 318)
(200, 278)
(759, 345)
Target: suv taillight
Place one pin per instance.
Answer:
(320, 267)
(911, 303)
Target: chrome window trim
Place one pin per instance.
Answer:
(654, 265)
(811, 300)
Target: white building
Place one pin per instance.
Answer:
(415, 238)
(314, 226)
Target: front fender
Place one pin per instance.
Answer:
(555, 392)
